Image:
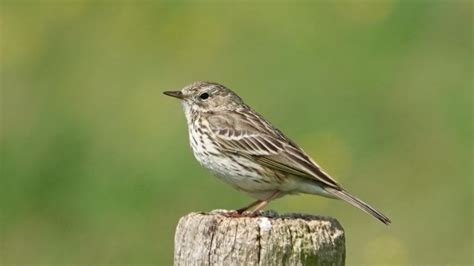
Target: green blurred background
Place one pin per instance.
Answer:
(95, 162)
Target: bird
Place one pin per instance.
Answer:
(243, 149)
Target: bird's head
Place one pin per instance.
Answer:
(205, 96)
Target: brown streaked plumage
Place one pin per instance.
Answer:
(244, 150)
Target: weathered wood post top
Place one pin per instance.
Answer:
(270, 239)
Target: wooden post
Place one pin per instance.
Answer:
(270, 239)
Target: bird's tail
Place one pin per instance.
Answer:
(345, 196)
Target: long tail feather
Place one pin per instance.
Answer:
(345, 196)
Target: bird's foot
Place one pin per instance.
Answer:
(240, 214)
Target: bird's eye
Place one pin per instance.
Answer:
(204, 96)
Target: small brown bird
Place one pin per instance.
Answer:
(244, 150)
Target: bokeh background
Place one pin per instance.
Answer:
(95, 163)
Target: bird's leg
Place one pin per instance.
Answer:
(264, 203)
(240, 212)
(257, 205)
(253, 204)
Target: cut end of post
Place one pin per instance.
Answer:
(217, 237)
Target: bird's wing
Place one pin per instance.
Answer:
(246, 133)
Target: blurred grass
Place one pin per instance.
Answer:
(95, 164)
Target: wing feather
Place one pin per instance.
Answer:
(246, 133)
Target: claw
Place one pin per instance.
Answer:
(237, 214)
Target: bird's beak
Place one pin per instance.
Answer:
(176, 94)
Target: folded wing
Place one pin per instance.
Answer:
(246, 133)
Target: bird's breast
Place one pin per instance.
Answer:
(235, 170)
